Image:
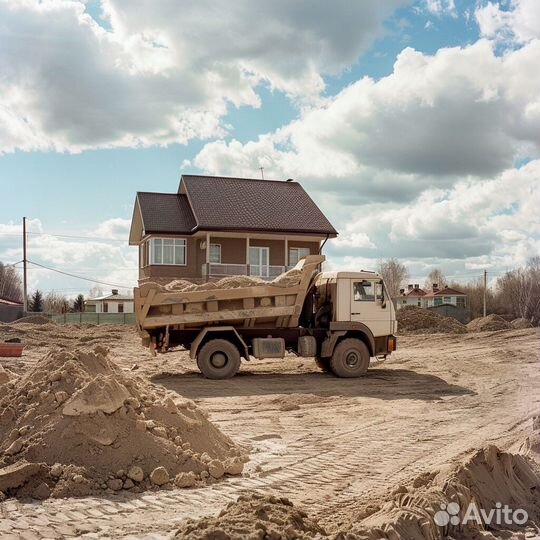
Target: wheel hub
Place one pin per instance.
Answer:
(352, 359)
(218, 360)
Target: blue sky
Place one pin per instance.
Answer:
(72, 164)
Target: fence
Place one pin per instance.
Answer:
(94, 318)
(10, 313)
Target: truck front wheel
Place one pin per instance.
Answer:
(218, 359)
(350, 358)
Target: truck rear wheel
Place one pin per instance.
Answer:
(218, 359)
(350, 358)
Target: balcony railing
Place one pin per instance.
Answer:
(223, 270)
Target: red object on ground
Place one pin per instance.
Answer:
(11, 349)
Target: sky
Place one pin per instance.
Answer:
(415, 125)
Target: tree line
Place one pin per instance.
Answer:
(516, 294)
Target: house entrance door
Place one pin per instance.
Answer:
(258, 261)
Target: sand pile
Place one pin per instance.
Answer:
(521, 324)
(415, 320)
(288, 279)
(254, 517)
(490, 323)
(488, 478)
(76, 424)
(34, 319)
(64, 335)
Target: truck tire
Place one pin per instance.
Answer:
(323, 363)
(350, 358)
(218, 359)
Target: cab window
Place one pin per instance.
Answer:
(364, 291)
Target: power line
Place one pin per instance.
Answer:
(101, 238)
(95, 238)
(80, 277)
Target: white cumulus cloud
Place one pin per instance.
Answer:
(149, 76)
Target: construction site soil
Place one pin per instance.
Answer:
(449, 418)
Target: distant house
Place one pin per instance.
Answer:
(412, 297)
(415, 296)
(112, 303)
(445, 296)
(10, 310)
(217, 226)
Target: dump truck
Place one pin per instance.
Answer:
(341, 319)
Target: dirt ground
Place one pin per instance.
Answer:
(332, 446)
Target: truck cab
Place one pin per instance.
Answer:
(359, 297)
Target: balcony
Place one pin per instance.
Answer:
(219, 270)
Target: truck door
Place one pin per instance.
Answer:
(367, 306)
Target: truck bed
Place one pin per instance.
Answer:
(265, 305)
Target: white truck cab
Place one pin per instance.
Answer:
(361, 297)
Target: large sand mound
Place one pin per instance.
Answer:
(76, 423)
(254, 517)
(415, 320)
(490, 323)
(488, 479)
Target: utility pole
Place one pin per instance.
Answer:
(25, 282)
(485, 290)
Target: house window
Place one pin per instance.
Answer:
(120, 308)
(167, 251)
(364, 291)
(419, 303)
(404, 301)
(215, 253)
(105, 307)
(437, 301)
(447, 300)
(296, 254)
(460, 301)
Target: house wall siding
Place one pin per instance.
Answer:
(233, 251)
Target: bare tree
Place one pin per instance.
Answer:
(519, 291)
(54, 302)
(95, 292)
(10, 283)
(435, 276)
(394, 274)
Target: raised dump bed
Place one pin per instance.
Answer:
(274, 304)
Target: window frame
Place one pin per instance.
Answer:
(368, 298)
(298, 257)
(120, 307)
(214, 244)
(150, 250)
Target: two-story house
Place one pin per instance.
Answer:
(217, 226)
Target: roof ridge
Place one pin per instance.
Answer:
(243, 179)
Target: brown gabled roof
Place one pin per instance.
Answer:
(166, 212)
(233, 204)
(447, 291)
(248, 204)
